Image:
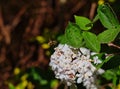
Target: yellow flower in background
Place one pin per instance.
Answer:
(45, 46)
(54, 84)
(118, 87)
(40, 39)
(18, 87)
(30, 85)
(112, 1)
(24, 83)
(24, 77)
(47, 53)
(100, 2)
(16, 71)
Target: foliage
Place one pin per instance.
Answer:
(79, 34)
(34, 78)
(29, 31)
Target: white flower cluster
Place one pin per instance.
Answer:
(73, 65)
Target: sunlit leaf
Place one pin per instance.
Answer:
(62, 39)
(109, 74)
(108, 35)
(11, 86)
(54, 83)
(91, 41)
(73, 35)
(43, 82)
(107, 16)
(83, 22)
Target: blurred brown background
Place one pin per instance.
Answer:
(22, 21)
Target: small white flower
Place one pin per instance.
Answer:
(79, 80)
(72, 65)
(69, 83)
(85, 51)
(96, 60)
(100, 71)
(93, 53)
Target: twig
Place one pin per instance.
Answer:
(66, 87)
(1, 20)
(37, 25)
(4, 29)
(16, 19)
(92, 10)
(78, 6)
(113, 45)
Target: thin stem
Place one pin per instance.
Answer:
(113, 45)
(92, 10)
(66, 87)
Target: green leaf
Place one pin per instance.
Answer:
(43, 82)
(36, 76)
(112, 63)
(83, 22)
(107, 16)
(114, 80)
(108, 35)
(11, 86)
(73, 35)
(91, 41)
(54, 83)
(105, 61)
(95, 18)
(109, 74)
(62, 39)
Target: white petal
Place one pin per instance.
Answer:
(85, 51)
(79, 80)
